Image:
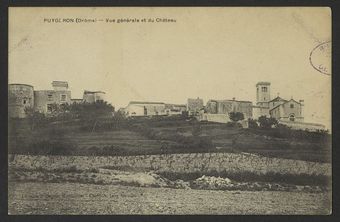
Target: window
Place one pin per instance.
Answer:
(291, 117)
(49, 108)
(50, 97)
(291, 106)
(24, 101)
(63, 98)
(264, 89)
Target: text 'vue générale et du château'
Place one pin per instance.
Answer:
(109, 20)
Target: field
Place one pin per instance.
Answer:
(74, 198)
(167, 166)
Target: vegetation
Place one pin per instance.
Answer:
(266, 122)
(95, 129)
(36, 119)
(236, 116)
(252, 124)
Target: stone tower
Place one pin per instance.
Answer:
(20, 97)
(262, 93)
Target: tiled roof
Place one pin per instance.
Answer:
(283, 104)
(277, 99)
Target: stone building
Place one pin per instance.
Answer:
(287, 111)
(194, 106)
(137, 108)
(20, 97)
(45, 99)
(228, 106)
(175, 109)
(262, 98)
(278, 108)
(93, 96)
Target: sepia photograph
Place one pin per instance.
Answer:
(169, 111)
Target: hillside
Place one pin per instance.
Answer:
(157, 136)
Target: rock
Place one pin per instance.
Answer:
(207, 182)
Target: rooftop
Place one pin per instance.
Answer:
(59, 83)
(230, 100)
(284, 103)
(141, 102)
(262, 83)
(92, 92)
(19, 84)
(277, 99)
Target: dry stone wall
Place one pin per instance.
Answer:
(181, 163)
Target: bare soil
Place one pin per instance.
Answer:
(75, 198)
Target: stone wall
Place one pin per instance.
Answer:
(180, 163)
(217, 118)
(303, 125)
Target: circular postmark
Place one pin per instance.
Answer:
(320, 58)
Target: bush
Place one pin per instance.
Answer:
(236, 116)
(267, 123)
(252, 124)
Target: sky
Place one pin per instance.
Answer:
(211, 53)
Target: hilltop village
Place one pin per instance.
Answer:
(285, 111)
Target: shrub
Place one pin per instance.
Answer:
(267, 122)
(252, 124)
(236, 116)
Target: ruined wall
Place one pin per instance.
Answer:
(181, 163)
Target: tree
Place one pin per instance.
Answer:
(267, 123)
(91, 113)
(236, 116)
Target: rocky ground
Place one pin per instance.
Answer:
(110, 191)
(103, 176)
(76, 198)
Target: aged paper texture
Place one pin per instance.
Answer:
(191, 110)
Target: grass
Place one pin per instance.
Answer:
(141, 137)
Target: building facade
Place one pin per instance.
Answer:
(44, 100)
(287, 111)
(93, 96)
(228, 106)
(278, 107)
(194, 106)
(175, 109)
(20, 97)
(136, 108)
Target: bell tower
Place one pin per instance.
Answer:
(262, 92)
